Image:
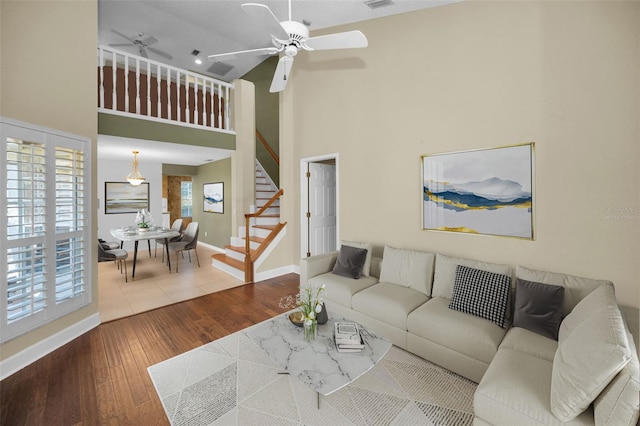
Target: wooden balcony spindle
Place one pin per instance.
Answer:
(101, 59)
(168, 93)
(137, 86)
(148, 88)
(114, 80)
(227, 124)
(212, 111)
(126, 84)
(158, 78)
(178, 90)
(187, 85)
(195, 100)
(204, 103)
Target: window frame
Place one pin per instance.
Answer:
(182, 198)
(54, 239)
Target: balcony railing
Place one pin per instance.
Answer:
(139, 87)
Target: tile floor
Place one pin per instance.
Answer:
(154, 286)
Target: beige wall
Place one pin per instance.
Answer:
(474, 75)
(48, 78)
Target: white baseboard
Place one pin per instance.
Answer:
(33, 353)
(272, 273)
(211, 247)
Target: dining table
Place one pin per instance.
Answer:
(138, 234)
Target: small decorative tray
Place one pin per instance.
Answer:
(296, 318)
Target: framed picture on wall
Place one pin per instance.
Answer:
(213, 194)
(122, 197)
(484, 191)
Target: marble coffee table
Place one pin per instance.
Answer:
(318, 364)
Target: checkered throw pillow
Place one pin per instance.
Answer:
(481, 293)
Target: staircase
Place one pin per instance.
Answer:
(264, 232)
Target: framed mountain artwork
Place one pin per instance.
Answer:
(213, 197)
(484, 191)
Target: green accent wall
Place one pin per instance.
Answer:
(267, 115)
(179, 170)
(116, 125)
(217, 227)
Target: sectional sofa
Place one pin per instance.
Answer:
(545, 348)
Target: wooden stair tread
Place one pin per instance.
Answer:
(239, 249)
(228, 260)
(267, 227)
(256, 239)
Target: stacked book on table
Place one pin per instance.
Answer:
(347, 337)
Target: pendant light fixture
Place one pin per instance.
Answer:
(135, 178)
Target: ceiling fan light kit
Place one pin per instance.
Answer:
(288, 37)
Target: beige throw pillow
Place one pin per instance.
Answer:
(408, 268)
(586, 361)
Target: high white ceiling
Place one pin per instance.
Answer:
(214, 26)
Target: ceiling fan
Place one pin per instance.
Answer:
(142, 44)
(288, 37)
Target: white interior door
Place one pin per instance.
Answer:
(322, 208)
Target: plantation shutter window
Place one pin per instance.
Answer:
(45, 226)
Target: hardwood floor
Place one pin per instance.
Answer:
(101, 377)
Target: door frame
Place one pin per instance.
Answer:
(304, 199)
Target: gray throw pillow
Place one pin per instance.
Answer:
(538, 307)
(350, 262)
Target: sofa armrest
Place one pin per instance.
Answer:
(316, 265)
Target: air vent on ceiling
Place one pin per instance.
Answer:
(374, 4)
(220, 68)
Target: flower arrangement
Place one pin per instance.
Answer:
(144, 219)
(310, 302)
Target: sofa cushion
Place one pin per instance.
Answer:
(408, 268)
(576, 288)
(522, 340)
(341, 289)
(464, 333)
(366, 269)
(515, 391)
(619, 402)
(445, 273)
(538, 307)
(350, 262)
(389, 303)
(586, 361)
(481, 293)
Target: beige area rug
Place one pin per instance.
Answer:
(233, 382)
(154, 286)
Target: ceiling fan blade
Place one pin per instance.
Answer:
(149, 41)
(346, 40)
(122, 35)
(263, 14)
(232, 55)
(119, 44)
(159, 52)
(281, 76)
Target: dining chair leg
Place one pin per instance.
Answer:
(125, 270)
(196, 252)
(177, 261)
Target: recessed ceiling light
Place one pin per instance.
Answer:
(198, 61)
